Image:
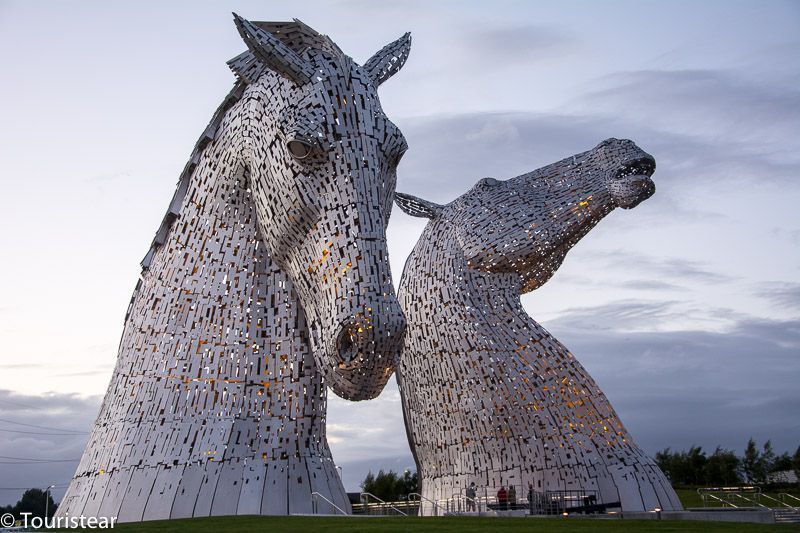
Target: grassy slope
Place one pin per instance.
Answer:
(303, 524)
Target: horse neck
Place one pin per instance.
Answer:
(215, 307)
(452, 288)
(449, 305)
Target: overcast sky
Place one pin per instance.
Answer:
(686, 310)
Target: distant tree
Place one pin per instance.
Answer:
(751, 462)
(767, 460)
(408, 483)
(782, 463)
(32, 501)
(695, 466)
(390, 486)
(796, 462)
(382, 485)
(369, 482)
(722, 468)
(664, 460)
(683, 468)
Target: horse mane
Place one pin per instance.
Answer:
(299, 36)
(296, 35)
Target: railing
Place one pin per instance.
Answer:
(755, 503)
(417, 497)
(365, 496)
(461, 503)
(315, 504)
(783, 495)
(722, 495)
(533, 502)
(725, 503)
(486, 499)
(779, 502)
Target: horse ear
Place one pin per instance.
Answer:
(417, 207)
(271, 52)
(388, 60)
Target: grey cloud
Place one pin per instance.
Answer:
(650, 285)
(99, 371)
(782, 294)
(677, 388)
(660, 268)
(655, 273)
(522, 44)
(703, 127)
(68, 417)
(22, 365)
(451, 152)
(719, 100)
(740, 126)
(351, 438)
(619, 315)
(629, 315)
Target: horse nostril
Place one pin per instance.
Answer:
(630, 191)
(346, 347)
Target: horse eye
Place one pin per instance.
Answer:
(299, 149)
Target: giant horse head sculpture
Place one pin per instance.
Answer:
(322, 157)
(528, 224)
(481, 379)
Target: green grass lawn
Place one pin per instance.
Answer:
(459, 524)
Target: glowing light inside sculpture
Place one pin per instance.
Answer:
(489, 396)
(217, 402)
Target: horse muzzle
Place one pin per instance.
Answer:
(631, 185)
(367, 348)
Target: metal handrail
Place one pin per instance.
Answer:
(315, 495)
(368, 494)
(457, 498)
(748, 488)
(767, 496)
(707, 492)
(474, 501)
(782, 494)
(421, 497)
(749, 500)
(724, 502)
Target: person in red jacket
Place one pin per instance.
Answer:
(502, 498)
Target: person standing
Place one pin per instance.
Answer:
(471, 497)
(502, 498)
(530, 498)
(512, 497)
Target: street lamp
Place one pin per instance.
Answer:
(47, 501)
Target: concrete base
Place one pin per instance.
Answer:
(744, 515)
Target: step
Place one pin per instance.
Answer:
(786, 516)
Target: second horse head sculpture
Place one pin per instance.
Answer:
(489, 396)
